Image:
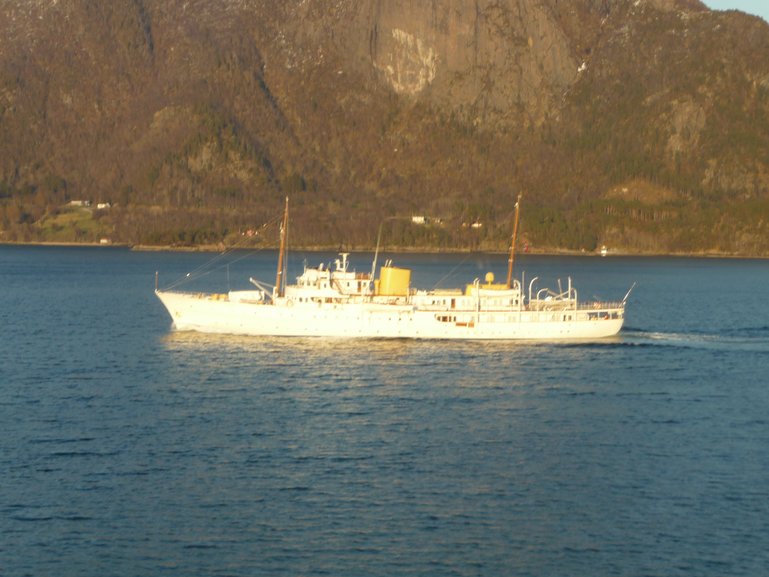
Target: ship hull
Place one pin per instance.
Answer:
(219, 314)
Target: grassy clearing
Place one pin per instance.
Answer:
(72, 225)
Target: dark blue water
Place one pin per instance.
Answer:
(126, 449)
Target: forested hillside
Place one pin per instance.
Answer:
(642, 125)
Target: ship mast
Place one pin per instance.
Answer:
(281, 274)
(511, 260)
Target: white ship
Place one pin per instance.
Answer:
(339, 302)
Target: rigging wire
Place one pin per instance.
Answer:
(452, 271)
(208, 267)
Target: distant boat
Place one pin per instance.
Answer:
(340, 302)
(604, 250)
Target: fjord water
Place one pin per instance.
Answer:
(128, 449)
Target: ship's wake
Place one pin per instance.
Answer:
(745, 339)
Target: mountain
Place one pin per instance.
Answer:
(642, 125)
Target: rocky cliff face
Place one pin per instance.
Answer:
(487, 61)
(195, 117)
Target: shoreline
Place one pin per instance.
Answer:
(395, 250)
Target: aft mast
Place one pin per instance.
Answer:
(280, 277)
(511, 260)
